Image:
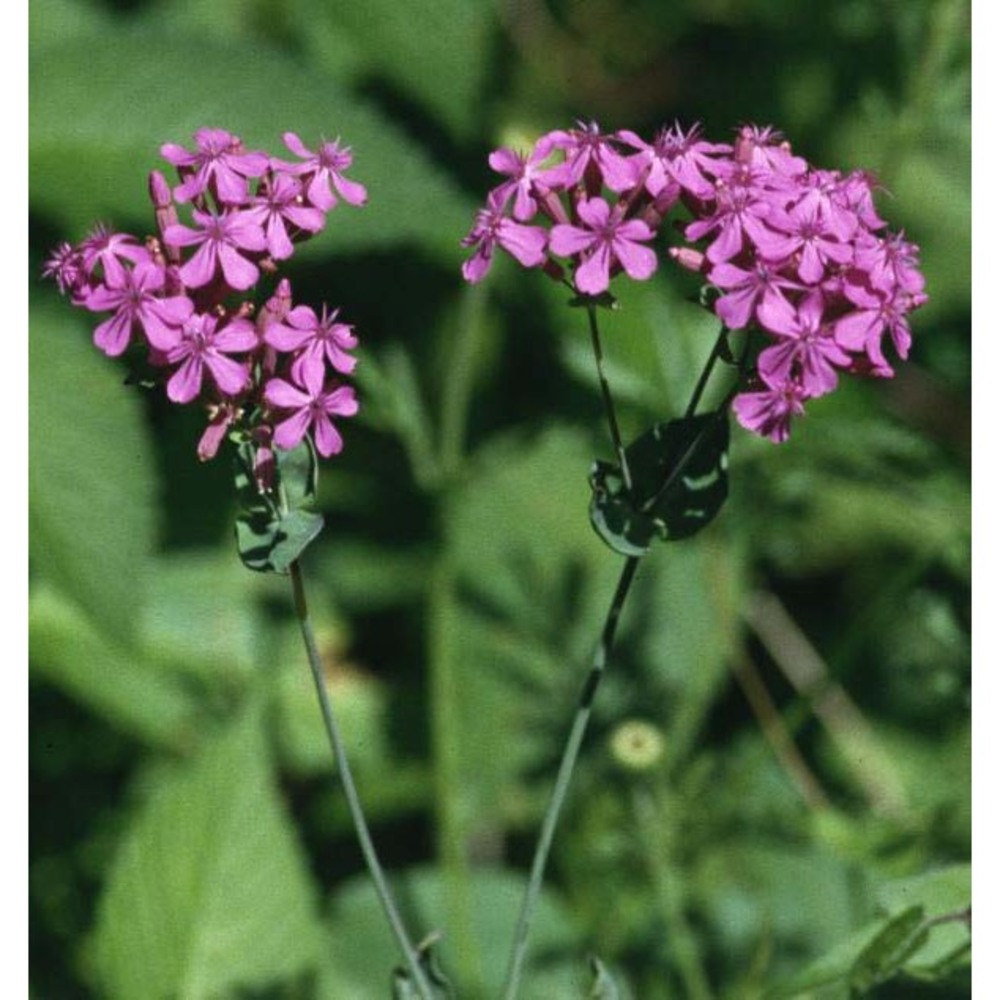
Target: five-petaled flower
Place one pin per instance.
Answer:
(312, 406)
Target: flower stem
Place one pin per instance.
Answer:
(609, 405)
(720, 341)
(354, 803)
(566, 766)
(580, 721)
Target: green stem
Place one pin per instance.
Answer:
(580, 721)
(350, 791)
(566, 767)
(609, 404)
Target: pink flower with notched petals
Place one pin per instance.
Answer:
(677, 157)
(325, 170)
(769, 413)
(492, 228)
(313, 405)
(112, 251)
(278, 207)
(523, 171)
(219, 240)
(321, 339)
(754, 291)
(136, 299)
(220, 163)
(585, 146)
(604, 240)
(204, 347)
(806, 350)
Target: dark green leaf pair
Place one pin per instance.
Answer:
(274, 528)
(679, 483)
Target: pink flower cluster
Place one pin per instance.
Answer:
(796, 252)
(275, 373)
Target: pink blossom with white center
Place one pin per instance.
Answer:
(585, 146)
(220, 164)
(606, 240)
(524, 170)
(492, 228)
(137, 300)
(321, 339)
(313, 405)
(325, 172)
(203, 346)
(219, 241)
(806, 351)
(769, 412)
(278, 206)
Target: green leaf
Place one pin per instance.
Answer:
(91, 146)
(69, 652)
(885, 954)
(679, 484)
(210, 890)
(91, 477)
(269, 535)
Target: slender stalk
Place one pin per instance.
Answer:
(566, 766)
(571, 751)
(350, 791)
(706, 372)
(609, 404)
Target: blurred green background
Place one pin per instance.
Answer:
(779, 763)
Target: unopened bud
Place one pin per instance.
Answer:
(689, 259)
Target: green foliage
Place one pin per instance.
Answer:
(209, 890)
(274, 525)
(184, 819)
(91, 476)
(679, 484)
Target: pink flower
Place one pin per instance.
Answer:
(220, 164)
(523, 171)
(325, 170)
(585, 147)
(277, 207)
(320, 338)
(678, 157)
(202, 347)
(135, 299)
(65, 267)
(769, 413)
(753, 292)
(806, 351)
(312, 407)
(219, 241)
(492, 228)
(112, 251)
(607, 239)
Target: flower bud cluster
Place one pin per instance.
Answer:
(183, 296)
(795, 252)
